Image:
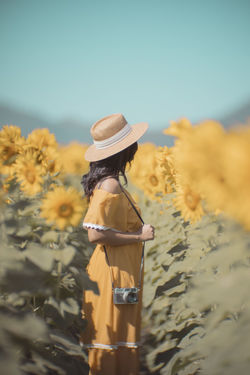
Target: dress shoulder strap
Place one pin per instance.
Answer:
(123, 190)
(142, 256)
(131, 203)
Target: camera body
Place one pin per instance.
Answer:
(126, 295)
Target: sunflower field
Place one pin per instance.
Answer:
(196, 305)
(44, 252)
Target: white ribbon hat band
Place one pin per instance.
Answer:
(115, 138)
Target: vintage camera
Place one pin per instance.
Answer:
(125, 295)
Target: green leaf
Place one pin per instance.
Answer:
(67, 344)
(29, 327)
(65, 255)
(24, 230)
(83, 280)
(69, 305)
(50, 236)
(41, 257)
(42, 366)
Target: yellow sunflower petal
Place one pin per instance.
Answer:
(189, 203)
(72, 158)
(29, 174)
(63, 207)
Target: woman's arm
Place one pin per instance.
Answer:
(110, 237)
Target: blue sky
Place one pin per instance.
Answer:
(151, 60)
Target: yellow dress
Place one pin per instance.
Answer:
(111, 326)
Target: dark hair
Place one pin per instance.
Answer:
(111, 166)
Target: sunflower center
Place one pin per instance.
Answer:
(153, 180)
(51, 166)
(65, 210)
(192, 200)
(221, 180)
(30, 176)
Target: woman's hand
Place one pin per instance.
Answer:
(147, 232)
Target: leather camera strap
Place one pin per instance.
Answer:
(142, 256)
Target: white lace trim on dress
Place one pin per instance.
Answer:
(105, 346)
(97, 226)
(129, 344)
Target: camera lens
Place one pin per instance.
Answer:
(132, 297)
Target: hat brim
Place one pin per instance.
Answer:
(94, 154)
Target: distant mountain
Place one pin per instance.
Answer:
(27, 121)
(70, 129)
(66, 130)
(240, 115)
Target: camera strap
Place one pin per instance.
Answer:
(142, 256)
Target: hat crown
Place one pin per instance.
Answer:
(107, 126)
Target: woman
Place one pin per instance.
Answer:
(112, 335)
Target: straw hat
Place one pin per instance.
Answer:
(112, 134)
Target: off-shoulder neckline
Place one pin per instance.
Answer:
(108, 192)
(117, 194)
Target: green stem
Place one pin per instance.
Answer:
(59, 272)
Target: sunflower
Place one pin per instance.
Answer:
(63, 207)
(166, 163)
(11, 144)
(29, 174)
(189, 203)
(152, 184)
(42, 139)
(236, 161)
(144, 162)
(153, 179)
(52, 161)
(10, 133)
(37, 155)
(150, 171)
(198, 159)
(72, 158)
(47, 158)
(236, 169)
(155, 184)
(178, 128)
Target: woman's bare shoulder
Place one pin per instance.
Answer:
(111, 185)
